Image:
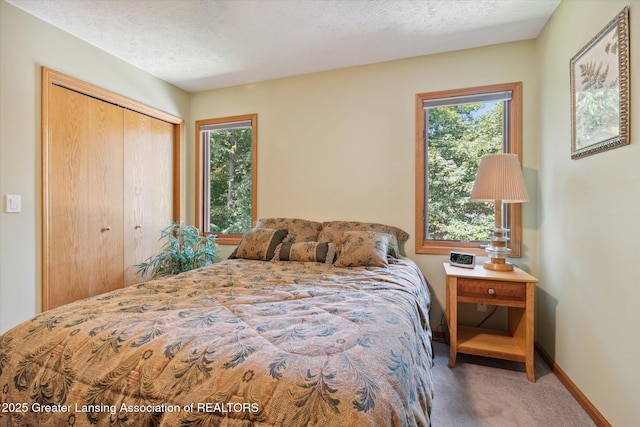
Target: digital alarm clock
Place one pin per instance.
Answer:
(460, 259)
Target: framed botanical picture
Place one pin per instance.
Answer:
(600, 91)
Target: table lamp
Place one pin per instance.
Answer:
(499, 180)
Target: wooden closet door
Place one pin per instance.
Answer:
(84, 198)
(148, 187)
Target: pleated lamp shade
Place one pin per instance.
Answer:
(499, 177)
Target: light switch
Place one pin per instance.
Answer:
(12, 203)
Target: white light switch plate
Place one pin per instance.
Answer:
(12, 203)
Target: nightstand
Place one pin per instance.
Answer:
(514, 290)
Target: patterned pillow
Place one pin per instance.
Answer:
(332, 231)
(259, 243)
(306, 252)
(363, 248)
(300, 230)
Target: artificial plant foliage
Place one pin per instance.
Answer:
(185, 249)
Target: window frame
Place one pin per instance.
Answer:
(201, 174)
(512, 211)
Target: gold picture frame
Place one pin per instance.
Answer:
(600, 91)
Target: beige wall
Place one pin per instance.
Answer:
(589, 226)
(26, 44)
(340, 144)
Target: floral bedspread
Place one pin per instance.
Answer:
(237, 343)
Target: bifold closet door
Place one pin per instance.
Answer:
(84, 198)
(148, 188)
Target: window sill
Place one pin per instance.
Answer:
(227, 239)
(444, 248)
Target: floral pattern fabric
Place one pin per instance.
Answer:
(259, 244)
(306, 252)
(300, 230)
(237, 343)
(363, 248)
(332, 231)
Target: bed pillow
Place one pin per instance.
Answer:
(306, 252)
(300, 230)
(363, 248)
(259, 244)
(332, 231)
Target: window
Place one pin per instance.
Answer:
(226, 160)
(454, 129)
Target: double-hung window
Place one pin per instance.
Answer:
(226, 166)
(454, 129)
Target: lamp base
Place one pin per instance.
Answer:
(498, 265)
(498, 251)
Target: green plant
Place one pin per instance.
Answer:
(184, 250)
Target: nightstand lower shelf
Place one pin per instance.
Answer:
(490, 343)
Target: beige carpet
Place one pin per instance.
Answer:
(488, 392)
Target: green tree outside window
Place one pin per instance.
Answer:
(457, 137)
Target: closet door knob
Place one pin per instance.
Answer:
(107, 228)
(138, 226)
(491, 291)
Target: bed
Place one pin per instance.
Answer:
(301, 335)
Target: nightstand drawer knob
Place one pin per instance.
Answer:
(491, 291)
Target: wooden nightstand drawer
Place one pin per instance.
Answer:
(491, 292)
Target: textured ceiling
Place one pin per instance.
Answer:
(206, 44)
